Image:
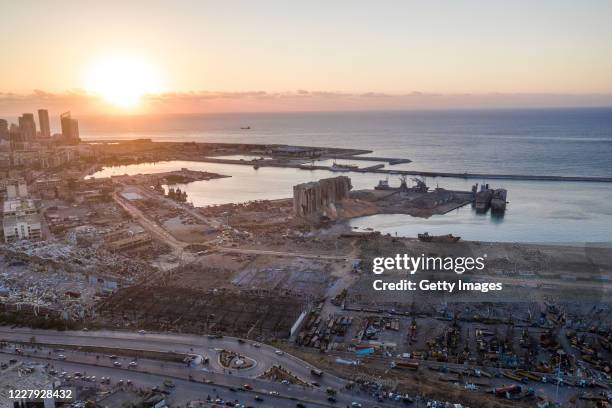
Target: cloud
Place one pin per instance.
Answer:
(81, 102)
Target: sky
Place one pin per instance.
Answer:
(309, 55)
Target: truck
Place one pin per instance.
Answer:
(316, 372)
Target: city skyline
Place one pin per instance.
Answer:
(209, 57)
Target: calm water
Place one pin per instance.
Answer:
(559, 142)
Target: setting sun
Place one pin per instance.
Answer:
(122, 81)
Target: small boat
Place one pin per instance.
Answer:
(245, 127)
(425, 237)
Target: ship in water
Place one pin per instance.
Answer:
(482, 200)
(383, 185)
(425, 237)
(498, 202)
(488, 197)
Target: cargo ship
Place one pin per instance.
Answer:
(498, 201)
(425, 237)
(483, 198)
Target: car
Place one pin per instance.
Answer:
(300, 405)
(141, 332)
(247, 387)
(168, 383)
(112, 357)
(61, 357)
(315, 384)
(256, 345)
(279, 352)
(232, 389)
(274, 393)
(331, 399)
(355, 404)
(117, 364)
(258, 398)
(133, 364)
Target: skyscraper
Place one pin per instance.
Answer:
(4, 129)
(27, 126)
(43, 122)
(70, 129)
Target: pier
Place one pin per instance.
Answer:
(378, 170)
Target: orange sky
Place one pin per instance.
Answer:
(242, 55)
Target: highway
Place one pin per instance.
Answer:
(154, 371)
(184, 391)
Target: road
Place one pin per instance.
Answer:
(284, 253)
(151, 226)
(265, 356)
(178, 246)
(184, 391)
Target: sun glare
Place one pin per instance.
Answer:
(122, 81)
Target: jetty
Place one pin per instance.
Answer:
(378, 170)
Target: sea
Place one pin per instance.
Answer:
(563, 142)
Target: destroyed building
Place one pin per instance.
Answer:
(320, 197)
(21, 219)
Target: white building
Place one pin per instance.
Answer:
(16, 189)
(21, 220)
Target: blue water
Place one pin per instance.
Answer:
(550, 142)
(559, 142)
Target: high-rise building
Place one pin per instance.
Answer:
(43, 122)
(4, 129)
(27, 126)
(70, 129)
